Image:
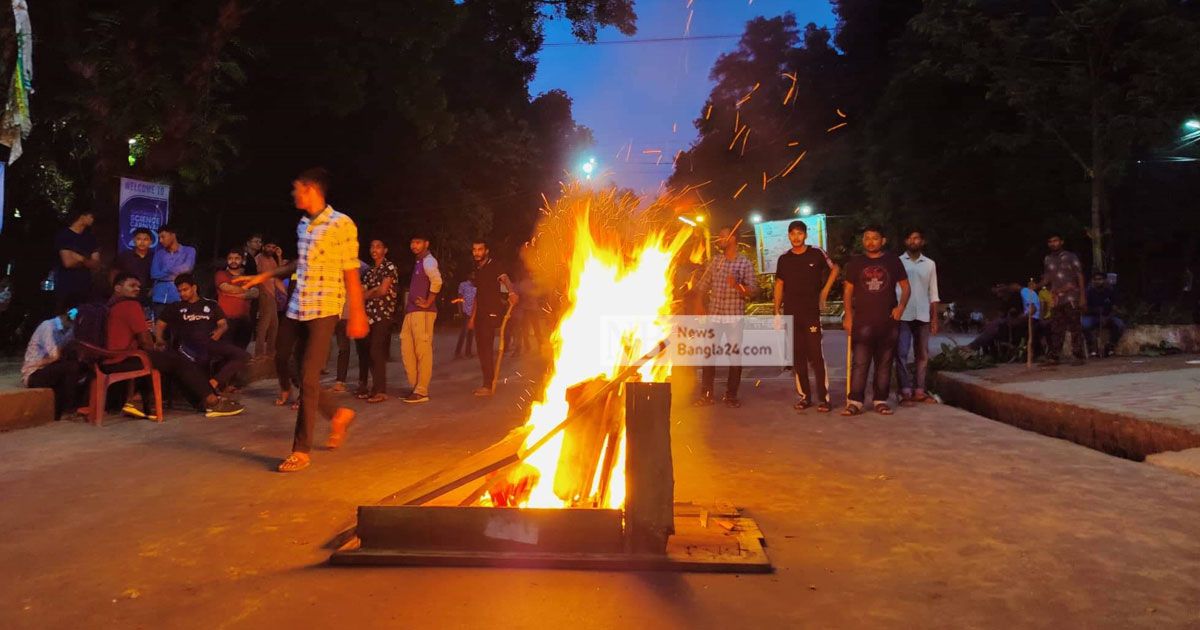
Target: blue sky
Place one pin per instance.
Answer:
(638, 91)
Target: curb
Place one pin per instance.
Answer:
(1117, 434)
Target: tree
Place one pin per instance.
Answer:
(1095, 77)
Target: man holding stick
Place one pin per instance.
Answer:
(326, 280)
(488, 309)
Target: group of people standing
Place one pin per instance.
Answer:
(890, 309)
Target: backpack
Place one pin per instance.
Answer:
(91, 323)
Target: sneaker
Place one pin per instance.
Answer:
(705, 400)
(131, 409)
(224, 407)
(416, 398)
(731, 401)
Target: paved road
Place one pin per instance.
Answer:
(931, 518)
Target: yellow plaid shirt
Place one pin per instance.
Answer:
(328, 247)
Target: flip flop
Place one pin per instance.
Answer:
(294, 463)
(337, 433)
(377, 398)
(824, 407)
(852, 410)
(883, 409)
(282, 398)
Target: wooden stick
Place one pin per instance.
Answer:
(848, 358)
(500, 354)
(1029, 341)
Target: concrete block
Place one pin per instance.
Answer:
(1184, 337)
(23, 408)
(1186, 461)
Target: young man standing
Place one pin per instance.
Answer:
(1062, 272)
(171, 259)
(78, 258)
(420, 311)
(201, 329)
(47, 366)
(873, 311)
(1101, 298)
(250, 252)
(728, 282)
(137, 261)
(126, 329)
(919, 320)
(803, 277)
(235, 300)
(326, 280)
(487, 313)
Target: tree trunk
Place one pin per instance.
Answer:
(1098, 171)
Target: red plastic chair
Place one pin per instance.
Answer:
(102, 380)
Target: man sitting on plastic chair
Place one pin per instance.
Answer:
(126, 329)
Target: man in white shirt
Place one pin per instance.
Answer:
(919, 319)
(46, 366)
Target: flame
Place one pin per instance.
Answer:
(616, 284)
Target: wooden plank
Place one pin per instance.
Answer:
(495, 457)
(649, 477)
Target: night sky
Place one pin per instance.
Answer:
(637, 91)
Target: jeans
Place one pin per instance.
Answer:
(728, 333)
(873, 342)
(807, 352)
(485, 345)
(313, 398)
(372, 357)
(1092, 323)
(416, 349)
(64, 377)
(914, 335)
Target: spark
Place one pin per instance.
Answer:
(794, 143)
(745, 139)
(839, 113)
(765, 180)
(739, 191)
(793, 165)
(735, 138)
(651, 151)
(687, 28)
(792, 90)
(837, 126)
(748, 95)
(674, 127)
(677, 154)
(737, 120)
(708, 112)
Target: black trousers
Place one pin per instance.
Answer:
(227, 359)
(289, 352)
(807, 352)
(63, 376)
(343, 346)
(241, 329)
(730, 334)
(485, 339)
(1065, 318)
(313, 399)
(372, 356)
(873, 342)
(465, 338)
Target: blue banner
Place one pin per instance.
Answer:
(143, 205)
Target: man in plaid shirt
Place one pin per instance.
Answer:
(327, 280)
(728, 281)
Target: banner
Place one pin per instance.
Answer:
(143, 205)
(772, 239)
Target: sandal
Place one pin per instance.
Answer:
(852, 410)
(924, 398)
(294, 463)
(283, 397)
(824, 407)
(801, 406)
(883, 409)
(377, 398)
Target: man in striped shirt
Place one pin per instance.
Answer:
(728, 282)
(326, 281)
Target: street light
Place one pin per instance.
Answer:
(755, 217)
(804, 209)
(588, 168)
(1192, 125)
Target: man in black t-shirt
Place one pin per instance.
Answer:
(78, 258)
(490, 306)
(873, 313)
(198, 327)
(803, 277)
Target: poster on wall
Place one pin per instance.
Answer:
(772, 239)
(143, 205)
